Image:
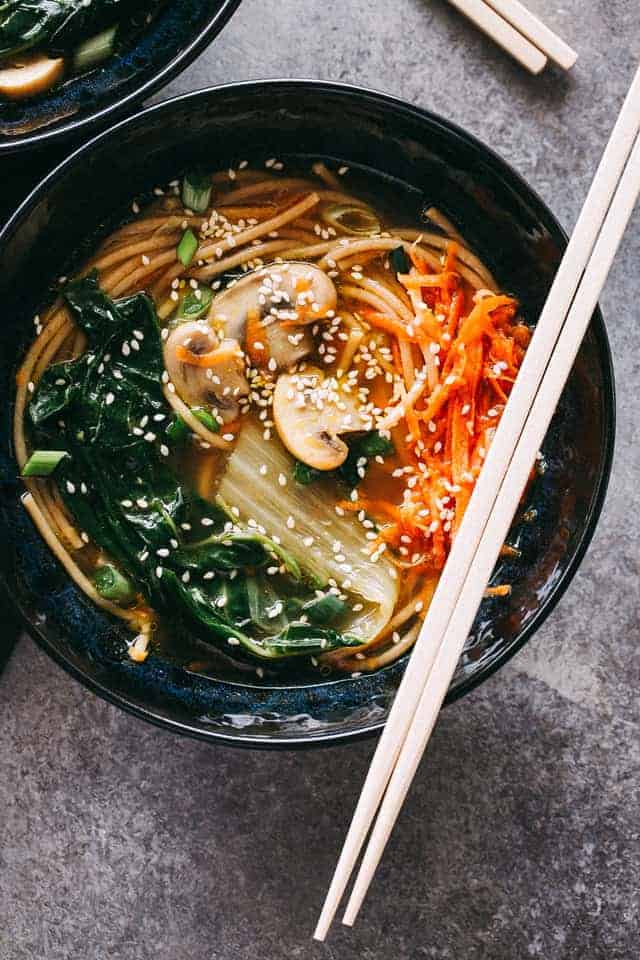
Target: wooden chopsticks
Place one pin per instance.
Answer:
(544, 371)
(518, 32)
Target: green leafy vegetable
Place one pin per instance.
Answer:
(363, 448)
(187, 247)
(191, 558)
(42, 463)
(196, 191)
(191, 306)
(178, 431)
(369, 445)
(304, 474)
(328, 545)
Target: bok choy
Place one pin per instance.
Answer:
(227, 582)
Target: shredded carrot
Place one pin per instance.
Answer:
(384, 322)
(256, 340)
(417, 281)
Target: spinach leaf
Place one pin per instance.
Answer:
(193, 561)
(363, 448)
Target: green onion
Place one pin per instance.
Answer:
(206, 419)
(191, 307)
(113, 585)
(196, 191)
(399, 260)
(94, 50)
(356, 219)
(178, 431)
(42, 463)
(187, 247)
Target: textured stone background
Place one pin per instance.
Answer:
(521, 834)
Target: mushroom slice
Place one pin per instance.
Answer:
(284, 297)
(206, 372)
(311, 415)
(33, 74)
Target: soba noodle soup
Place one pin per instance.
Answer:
(250, 425)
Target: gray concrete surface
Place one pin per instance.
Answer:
(521, 834)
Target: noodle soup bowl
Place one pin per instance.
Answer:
(428, 160)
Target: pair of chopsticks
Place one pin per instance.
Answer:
(546, 367)
(518, 32)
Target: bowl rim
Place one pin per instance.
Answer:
(83, 122)
(363, 94)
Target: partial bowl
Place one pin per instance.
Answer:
(515, 234)
(85, 103)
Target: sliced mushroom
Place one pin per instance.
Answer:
(32, 75)
(205, 371)
(311, 415)
(284, 297)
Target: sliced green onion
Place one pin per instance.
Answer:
(178, 431)
(399, 260)
(196, 191)
(42, 463)
(187, 247)
(355, 219)
(94, 50)
(191, 306)
(113, 585)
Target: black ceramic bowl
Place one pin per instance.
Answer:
(500, 215)
(178, 33)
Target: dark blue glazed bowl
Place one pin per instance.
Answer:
(178, 33)
(505, 221)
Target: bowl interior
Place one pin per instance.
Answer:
(177, 32)
(498, 214)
